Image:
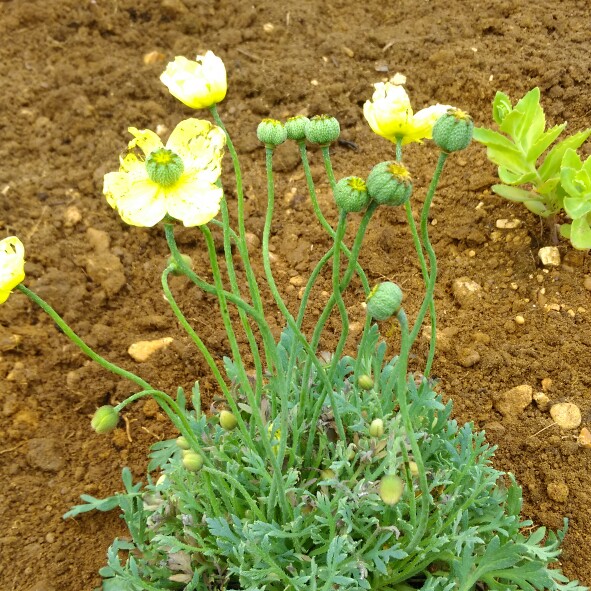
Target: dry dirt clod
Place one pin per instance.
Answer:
(468, 357)
(587, 283)
(550, 256)
(542, 401)
(514, 401)
(566, 415)
(558, 491)
(72, 216)
(466, 291)
(143, 350)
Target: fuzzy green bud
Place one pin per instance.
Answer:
(192, 460)
(384, 300)
(413, 468)
(296, 128)
(322, 129)
(391, 489)
(271, 132)
(365, 382)
(351, 194)
(376, 429)
(182, 443)
(176, 270)
(164, 167)
(453, 131)
(227, 420)
(105, 419)
(389, 183)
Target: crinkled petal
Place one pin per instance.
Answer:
(12, 265)
(115, 184)
(389, 112)
(142, 204)
(193, 201)
(425, 119)
(199, 144)
(144, 139)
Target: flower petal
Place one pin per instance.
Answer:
(142, 204)
(144, 139)
(425, 119)
(12, 265)
(194, 201)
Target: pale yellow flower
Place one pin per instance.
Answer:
(12, 265)
(178, 179)
(389, 114)
(199, 84)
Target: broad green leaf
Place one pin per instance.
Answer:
(511, 177)
(538, 207)
(513, 193)
(548, 186)
(551, 165)
(488, 137)
(571, 160)
(527, 121)
(580, 234)
(501, 107)
(544, 141)
(565, 230)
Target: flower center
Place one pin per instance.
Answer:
(399, 171)
(357, 184)
(164, 167)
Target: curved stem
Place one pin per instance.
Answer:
(79, 342)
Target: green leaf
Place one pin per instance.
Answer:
(513, 178)
(93, 504)
(501, 107)
(577, 207)
(526, 122)
(544, 141)
(580, 234)
(552, 163)
(514, 193)
(538, 207)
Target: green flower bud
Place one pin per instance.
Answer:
(376, 429)
(105, 419)
(384, 300)
(227, 420)
(176, 271)
(413, 469)
(365, 382)
(296, 128)
(453, 131)
(322, 129)
(164, 167)
(271, 132)
(327, 474)
(389, 183)
(351, 194)
(192, 461)
(182, 443)
(351, 448)
(391, 489)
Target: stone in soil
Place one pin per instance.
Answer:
(566, 415)
(514, 401)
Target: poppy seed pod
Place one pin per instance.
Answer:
(350, 194)
(453, 131)
(271, 132)
(296, 128)
(389, 183)
(322, 129)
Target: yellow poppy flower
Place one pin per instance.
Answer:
(198, 84)
(389, 114)
(12, 265)
(178, 179)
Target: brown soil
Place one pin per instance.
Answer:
(74, 79)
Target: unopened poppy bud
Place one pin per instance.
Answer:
(192, 460)
(453, 131)
(391, 489)
(389, 183)
(327, 474)
(296, 128)
(105, 419)
(182, 442)
(413, 469)
(227, 420)
(176, 269)
(322, 129)
(351, 194)
(351, 451)
(376, 429)
(384, 300)
(365, 382)
(271, 132)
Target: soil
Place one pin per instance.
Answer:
(75, 76)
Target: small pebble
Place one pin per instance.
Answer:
(468, 357)
(542, 401)
(566, 415)
(508, 224)
(584, 438)
(557, 491)
(550, 256)
(519, 319)
(50, 538)
(153, 57)
(547, 384)
(143, 350)
(72, 216)
(587, 283)
(514, 401)
(465, 291)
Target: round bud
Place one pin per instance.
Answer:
(296, 128)
(105, 419)
(351, 194)
(176, 270)
(271, 132)
(351, 451)
(384, 300)
(376, 429)
(192, 461)
(227, 420)
(322, 129)
(164, 167)
(389, 183)
(365, 382)
(327, 474)
(413, 469)
(453, 131)
(182, 442)
(391, 489)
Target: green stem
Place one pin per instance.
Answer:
(79, 342)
